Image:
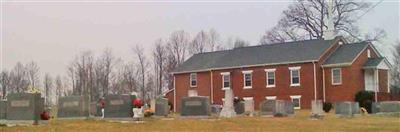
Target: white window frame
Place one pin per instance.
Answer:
(368, 53)
(247, 98)
(191, 79)
(296, 97)
(291, 77)
(266, 77)
(244, 79)
(226, 74)
(340, 74)
(270, 97)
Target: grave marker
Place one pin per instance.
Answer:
(161, 107)
(117, 106)
(227, 109)
(195, 106)
(70, 106)
(23, 106)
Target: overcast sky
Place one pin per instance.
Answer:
(53, 33)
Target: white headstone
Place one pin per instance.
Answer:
(249, 106)
(153, 105)
(228, 110)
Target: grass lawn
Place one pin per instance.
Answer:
(299, 122)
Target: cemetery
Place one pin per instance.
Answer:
(196, 110)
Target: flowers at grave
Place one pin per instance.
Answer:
(137, 103)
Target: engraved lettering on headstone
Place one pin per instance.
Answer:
(71, 104)
(193, 103)
(20, 103)
(116, 102)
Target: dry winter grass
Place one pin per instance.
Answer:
(299, 122)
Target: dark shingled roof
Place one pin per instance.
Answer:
(346, 53)
(373, 62)
(289, 52)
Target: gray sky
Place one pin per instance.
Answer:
(53, 33)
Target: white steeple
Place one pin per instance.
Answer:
(330, 32)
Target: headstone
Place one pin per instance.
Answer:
(239, 107)
(195, 106)
(227, 109)
(276, 108)
(153, 105)
(316, 109)
(161, 107)
(355, 108)
(70, 106)
(3, 108)
(267, 107)
(375, 107)
(346, 109)
(23, 106)
(249, 107)
(117, 106)
(216, 109)
(289, 107)
(389, 106)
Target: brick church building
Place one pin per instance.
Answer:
(329, 70)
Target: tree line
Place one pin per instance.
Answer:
(149, 73)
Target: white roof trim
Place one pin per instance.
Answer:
(245, 66)
(225, 73)
(295, 96)
(247, 71)
(270, 70)
(295, 68)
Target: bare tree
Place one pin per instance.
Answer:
(200, 43)
(142, 65)
(48, 86)
(59, 88)
(307, 19)
(159, 57)
(213, 39)
(18, 79)
(177, 45)
(103, 69)
(33, 73)
(395, 88)
(5, 82)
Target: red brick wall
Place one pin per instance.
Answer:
(383, 84)
(182, 86)
(352, 80)
(283, 90)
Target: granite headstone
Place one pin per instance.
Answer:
(3, 108)
(195, 106)
(70, 106)
(389, 106)
(216, 109)
(276, 108)
(239, 107)
(117, 106)
(346, 108)
(375, 107)
(23, 106)
(249, 106)
(161, 107)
